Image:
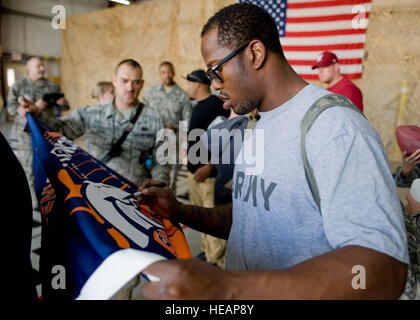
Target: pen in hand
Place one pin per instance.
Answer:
(140, 194)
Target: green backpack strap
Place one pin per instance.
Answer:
(412, 287)
(323, 103)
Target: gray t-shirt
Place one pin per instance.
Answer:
(276, 223)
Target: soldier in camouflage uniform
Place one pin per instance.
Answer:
(173, 104)
(104, 124)
(409, 171)
(412, 225)
(33, 87)
(404, 177)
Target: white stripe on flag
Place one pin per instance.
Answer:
(324, 11)
(344, 69)
(301, 1)
(306, 41)
(320, 26)
(312, 55)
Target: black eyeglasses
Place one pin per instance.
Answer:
(211, 72)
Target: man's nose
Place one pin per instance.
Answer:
(130, 85)
(216, 85)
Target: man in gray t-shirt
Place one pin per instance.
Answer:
(280, 245)
(274, 214)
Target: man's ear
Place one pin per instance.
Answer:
(337, 67)
(114, 80)
(258, 53)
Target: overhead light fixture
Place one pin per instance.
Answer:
(126, 2)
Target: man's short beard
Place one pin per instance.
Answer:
(169, 83)
(245, 107)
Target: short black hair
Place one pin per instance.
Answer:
(240, 23)
(167, 63)
(33, 57)
(132, 63)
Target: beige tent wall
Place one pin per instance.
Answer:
(170, 30)
(392, 55)
(150, 32)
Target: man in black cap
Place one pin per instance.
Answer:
(202, 174)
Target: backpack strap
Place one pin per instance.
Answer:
(323, 103)
(116, 149)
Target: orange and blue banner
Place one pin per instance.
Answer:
(94, 239)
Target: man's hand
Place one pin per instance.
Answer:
(21, 112)
(188, 279)
(161, 200)
(202, 173)
(29, 106)
(328, 276)
(41, 104)
(169, 125)
(62, 102)
(410, 162)
(412, 205)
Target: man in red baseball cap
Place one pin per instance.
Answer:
(329, 73)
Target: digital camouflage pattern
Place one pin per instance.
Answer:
(404, 182)
(173, 106)
(34, 91)
(412, 286)
(412, 225)
(102, 125)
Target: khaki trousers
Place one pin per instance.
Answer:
(202, 194)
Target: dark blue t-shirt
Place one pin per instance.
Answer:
(202, 115)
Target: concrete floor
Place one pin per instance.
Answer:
(193, 237)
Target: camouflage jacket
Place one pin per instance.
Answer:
(174, 106)
(404, 182)
(33, 90)
(102, 125)
(412, 225)
(412, 286)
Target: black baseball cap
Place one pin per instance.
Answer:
(198, 76)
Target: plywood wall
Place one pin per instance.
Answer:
(392, 55)
(151, 32)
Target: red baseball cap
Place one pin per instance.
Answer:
(325, 59)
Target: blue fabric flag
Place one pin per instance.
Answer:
(94, 240)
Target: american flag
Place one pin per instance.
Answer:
(309, 27)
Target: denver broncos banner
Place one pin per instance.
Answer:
(94, 239)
